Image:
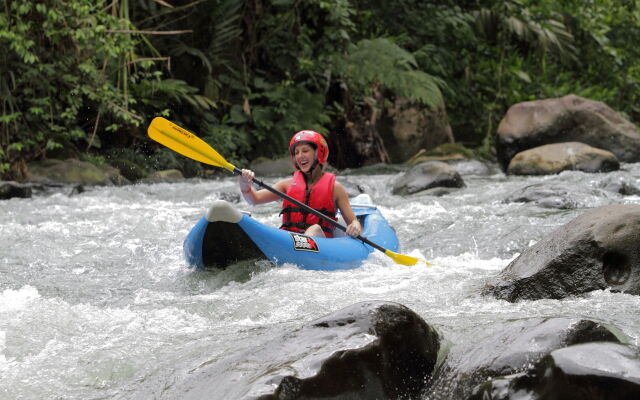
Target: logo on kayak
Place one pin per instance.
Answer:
(304, 243)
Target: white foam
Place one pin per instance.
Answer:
(15, 300)
(3, 345)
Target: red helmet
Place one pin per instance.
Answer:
(313, 138)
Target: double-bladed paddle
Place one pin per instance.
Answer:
(189, 145)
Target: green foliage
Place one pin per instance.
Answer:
(53, 71)
(87, 76)
(283, 110)
(68, 66)
(380, 61)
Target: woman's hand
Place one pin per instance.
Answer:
(354, 228)
(245, 180)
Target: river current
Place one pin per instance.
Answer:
(96, 301)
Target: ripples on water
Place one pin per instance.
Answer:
(96, 302)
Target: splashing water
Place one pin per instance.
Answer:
(96, 301)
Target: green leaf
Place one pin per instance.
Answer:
(521, 74)
(237, 115)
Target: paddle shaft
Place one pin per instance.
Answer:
(311, 210)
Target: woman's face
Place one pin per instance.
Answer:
(305, 155)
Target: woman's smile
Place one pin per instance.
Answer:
(304, 155)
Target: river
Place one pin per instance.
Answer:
(96, 301)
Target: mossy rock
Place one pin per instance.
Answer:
(168, 175)
(72, 171)
(445, 152)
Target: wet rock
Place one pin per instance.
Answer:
(592, 371)
(597, 250)
(438, 191)
(230, 196)
(620, 186)
(426, 176)
(74, 171)
(570, 118)
(474, 167)
(544, 196)
(164, 176)
(10, 189)
(515, 347)
(558, 157)
(370, 350)
(76, 189)
(353, 189)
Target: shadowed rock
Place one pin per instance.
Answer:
(10, 190)
(406, 127)
(597, 250)
(592, 371)
(426, 176)
(568, 119)
(370, 350)
(619, 185)
(558, 157)
(515, 347)
(353, 189)
(230, 196)
(544, 196)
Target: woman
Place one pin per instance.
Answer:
(310, 185)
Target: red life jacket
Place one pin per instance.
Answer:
(320, 197)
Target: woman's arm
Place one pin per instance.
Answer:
(341, 199)
(261, 196)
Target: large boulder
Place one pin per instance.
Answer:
(567, 119)
(597, 250)
(425, 176)
(406, 127)
(369, 350)
(590, 371)
(514, 347)
(74, 171)
(558, 157)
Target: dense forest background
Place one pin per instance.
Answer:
(83, 78)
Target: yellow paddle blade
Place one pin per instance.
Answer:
(403, 259)
(186, 143)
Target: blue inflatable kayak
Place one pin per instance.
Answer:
(225, 236)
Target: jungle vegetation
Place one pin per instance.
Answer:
(83, 78)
